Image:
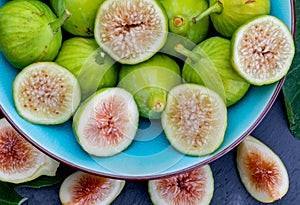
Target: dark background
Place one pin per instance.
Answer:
(273, 131)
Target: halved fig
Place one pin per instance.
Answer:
(131, 31)
(262, 50)
(46, 93)
(195, 119)
(21, 161)
(192, 188)
(106, 123)
(261, 171)
(83, 188)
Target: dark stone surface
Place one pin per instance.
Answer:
(273, 131)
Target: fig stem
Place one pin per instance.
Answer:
(205, 69)
(57, 24)
(215, 8)
(188, 53)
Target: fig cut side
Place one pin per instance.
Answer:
(194, 120)
(261, 171)
(82, 188)
(192, 188)
(46, 93)
(262, 50)
(131, 31)
(106, 123)
(19, 160)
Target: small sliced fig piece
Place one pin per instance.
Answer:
(131, 31)
(192, 188)
(83, 188)
(262, 50)
(195, 119)
(150, 82)
(81, 23)
(46, 93)
(93, 68)
(228, 15)
(30, 32)
(261, 171)
(21, 161)
(106, 123)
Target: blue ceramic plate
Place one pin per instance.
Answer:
(150, 155)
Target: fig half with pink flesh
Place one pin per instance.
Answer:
(261, 171)
(192, 188)
(20, 160)
(106, 123)
(83, 188)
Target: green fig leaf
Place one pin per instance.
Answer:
(9, 196)
(291, 86)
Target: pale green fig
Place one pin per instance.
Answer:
(30, 32)
(213, 56)
(180, 14)
(228, 15)
(81, 23)
(93, 68)
(150, 82)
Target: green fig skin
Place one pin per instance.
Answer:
(228, 15)
(180, 14)
(217, 49)
(86, 60)
(26, 33)
(81, 23)
(150, 82)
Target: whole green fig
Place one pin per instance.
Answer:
(180, 14)
(81, 23)
(30, 32)
(93, 68)
(150, 82)
(228, 15)
(209, 64)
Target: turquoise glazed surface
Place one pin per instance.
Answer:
(150, 155)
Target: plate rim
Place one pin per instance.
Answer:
(187, 169)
